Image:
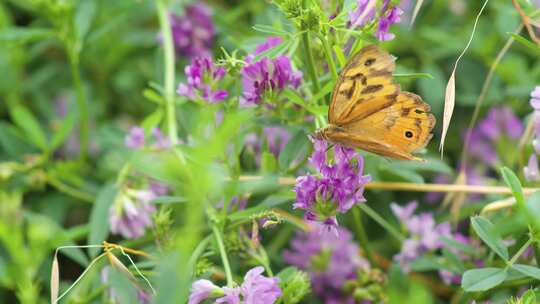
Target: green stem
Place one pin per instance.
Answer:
(520, 252)
(377, 218)
(82, 106)
(329, 57)
(168, 49)
(60, 186)
(310, 62)
(223, 254)
(362, 236)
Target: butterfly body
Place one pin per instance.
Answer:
(370, 112)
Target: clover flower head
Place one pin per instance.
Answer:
(202, 77)
(336, 188)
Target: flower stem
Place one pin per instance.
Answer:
(168, 49)
(310, 62)
(362, 236)
(377, 218)
(329, 57)
(223, 254)
(81, 105)
(520, 252)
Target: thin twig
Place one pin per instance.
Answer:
(526, 21)
(413, 187)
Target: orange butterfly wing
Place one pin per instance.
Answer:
(368, 111)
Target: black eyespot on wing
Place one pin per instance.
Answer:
(369, 62)
(408, 134)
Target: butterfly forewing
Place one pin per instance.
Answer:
(364, 86)
(369, 112)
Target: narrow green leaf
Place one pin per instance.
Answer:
(525, 42)
(151, 121)
(294, 149)
(486, 231)
(168, 200)
(268, 162)
(340, 56)
(86, 10)
(326, 89)
(99, 217)
(24, 34)
(428, 263)
(468, 249)
(531, 271)
(414, 75)
(270, 30)
(27, 122)
(63, 132)
(513, 182)
(532, 206)
(482, 279)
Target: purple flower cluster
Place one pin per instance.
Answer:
(275, 137)
(336, 189)
(388, 15)
(202, 78)
(330, 260)
(264, 79)
(256, 289)
(500, 121)
(193, 33)
(132, 212)
(531, 170)
(136, 139)
(424, 234)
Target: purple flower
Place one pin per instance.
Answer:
(337, 188)
(535, 98)
(135, 138)
(162, 142)
(202, 79)
(270, 43)
(277, 138)
(330, 260)
(359, 16)
(131, 212)
(424, 234)
(256, 289)
(193, 33)
(364, 14)
(390, 17)
(499, 121)
(262, 81)
(201, 290)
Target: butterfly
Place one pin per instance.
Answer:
(369, 111)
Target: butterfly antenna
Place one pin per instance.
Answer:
(331, 146)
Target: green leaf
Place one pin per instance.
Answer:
(513, 182)
(525, 42)
(428, 263)
(295, 148)
(268, 162)
(26, 121)
(10, 140)
(486, 231)
(532, 205)
(123, 287)
(529, 297)
(482, 279)
(414, 75)
(99, 217)
(454, 261)
(325, 90)
(168, 200)
(63, 132)
(468, 249)
(340, 56)
(24, 34)
(531, 271)
(270, 30)
(86, 10)
(152, 120)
